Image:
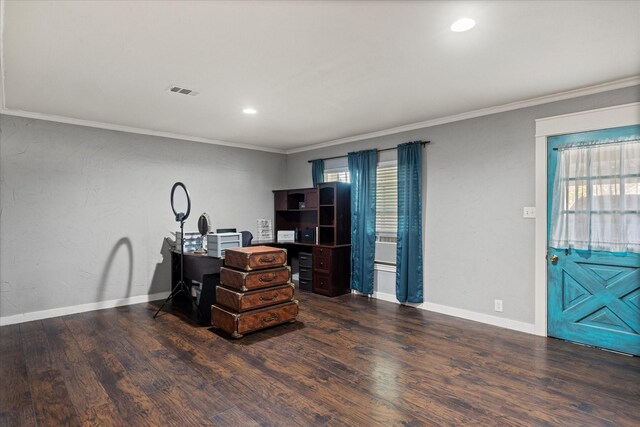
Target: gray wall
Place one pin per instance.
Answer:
(84, 211)
(479, 174)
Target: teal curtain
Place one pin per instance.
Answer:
(362, 168)
(317, 171)
(409, 245)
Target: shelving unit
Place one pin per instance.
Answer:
(334, 213)
(326, 211)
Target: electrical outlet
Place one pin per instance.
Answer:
(497, 305)
(529, 212)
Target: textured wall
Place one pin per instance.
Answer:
(479, 174)
(84, 211)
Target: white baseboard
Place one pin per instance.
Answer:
(63, 311)
(501, 322)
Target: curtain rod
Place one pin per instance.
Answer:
(384, 149)
(595, 143)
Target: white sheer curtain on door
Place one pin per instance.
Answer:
(596, 197)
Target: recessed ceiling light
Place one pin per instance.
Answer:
(249, 110)
(463, 24)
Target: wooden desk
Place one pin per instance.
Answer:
(331, 265)
(323, 214)
(200, 268)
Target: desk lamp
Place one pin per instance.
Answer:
(181, 206)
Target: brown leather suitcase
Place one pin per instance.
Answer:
(255, 258)
(249, 280)
(243, 301)
(238, 324)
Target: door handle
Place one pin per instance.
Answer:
(554, 259)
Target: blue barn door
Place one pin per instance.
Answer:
(593, 296)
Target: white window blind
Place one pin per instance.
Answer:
(596, 199)
(340, 176)
(386, 199)
(387, 203)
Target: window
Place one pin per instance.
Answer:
(387, 204)
(596, 198)
(340, 176)
(386, 199)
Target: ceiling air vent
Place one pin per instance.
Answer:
(182, 90)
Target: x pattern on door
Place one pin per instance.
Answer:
(600, 296)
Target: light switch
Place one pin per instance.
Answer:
(529, 212)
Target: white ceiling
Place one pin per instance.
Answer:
(315, 71)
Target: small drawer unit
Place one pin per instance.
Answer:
(305, 259)
(306, 273)
(322, 284)
(192, 241)
(305, 270)
(305, 284)
(255, 291)
(331, 270)
(218, 243)
(322, 259)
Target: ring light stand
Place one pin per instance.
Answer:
(181, 206)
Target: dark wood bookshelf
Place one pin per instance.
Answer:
(324, 211)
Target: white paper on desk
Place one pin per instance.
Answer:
(265, 230)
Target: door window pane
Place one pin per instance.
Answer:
(596, 199)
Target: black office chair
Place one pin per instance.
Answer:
(246, 238)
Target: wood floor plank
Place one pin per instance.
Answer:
(338, 378)
(178, 409)
(128, 398)
(234, 417)
(248, 381)
(141, 337)
(51, 402)
(348, 361)
(85, 391)
(459, 363)
(135, 362)
(253, 380)
(16, 405)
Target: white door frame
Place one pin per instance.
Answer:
(602, 118)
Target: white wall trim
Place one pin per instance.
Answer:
(63, 311)
(3, 94)
(130, 129)
(604, 87)
(464, 314)
(602, 118)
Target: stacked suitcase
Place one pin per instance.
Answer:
(255, 291)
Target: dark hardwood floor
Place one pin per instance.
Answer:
(348, 361)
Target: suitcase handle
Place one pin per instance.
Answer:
(268, 279)
(266, 259)
(273, 317)
(274, 296)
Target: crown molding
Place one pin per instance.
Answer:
(130, 129)
(590, 90)
(604, 87)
